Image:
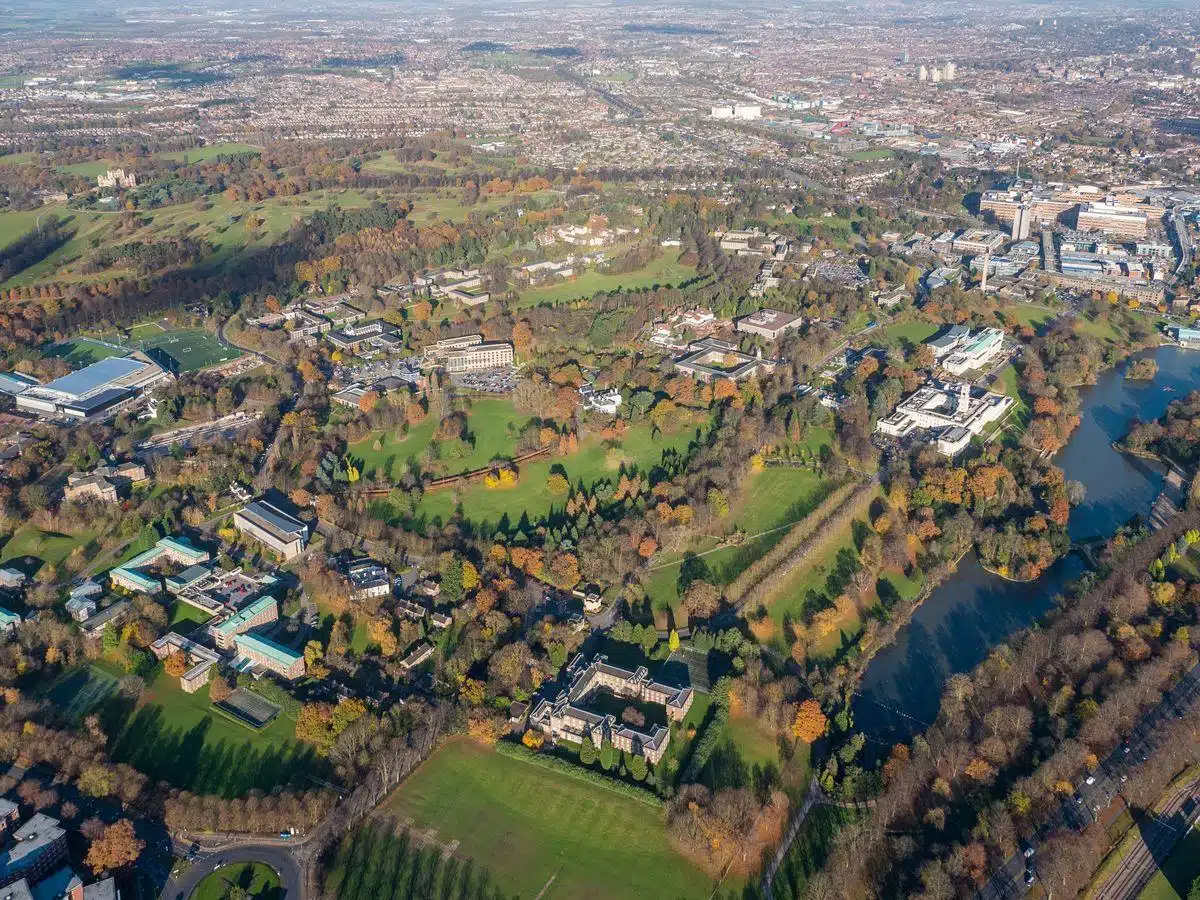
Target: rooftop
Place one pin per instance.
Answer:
(91, 379)
(244, 615)
(268, 648)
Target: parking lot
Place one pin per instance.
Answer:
(489, 381)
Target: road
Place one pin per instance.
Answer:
(1081, 810)
(265, 357)
(291, 878)
(1154, 842)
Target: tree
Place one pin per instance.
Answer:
(673, 640)
(219, 689)
(810, 722)
(176, 664)
(533, 739)
(701, 600)
(587, 752)
(608, 755)
(117, 846)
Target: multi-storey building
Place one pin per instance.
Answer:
(268, 524)
(259, 652)
(1112, 218)
(567, 716)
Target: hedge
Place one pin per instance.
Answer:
(579, 773)
(799, 534)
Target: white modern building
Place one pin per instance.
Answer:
(975, 352)
(95, 391)
(952, 412)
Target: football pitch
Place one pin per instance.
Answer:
(190, 348)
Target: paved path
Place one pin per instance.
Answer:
(814, 797)
(291, 878)
(221, 336)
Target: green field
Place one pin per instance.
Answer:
(536, 829)
(81, 351)
(492, 422)
(772, 498)
(666, 270)
(1178, 873)
(1033, 316)
(230, 225)
(809, 850)
(258, 880)
(901, 333)
(190, 348)
(212, 151)
(871, 155)
(640, 448)
(91, 169)
(184, 740)
(49, 547)
(79, 691)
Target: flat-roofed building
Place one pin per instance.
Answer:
(979, 241)
(1112, 218)
(141, 575)
(768, 323)
(488, 355)
(94, 391)
(975, 352)
(39, 847)
(259, 612)
(284, 534)
(710, 359)
(948, 341)
(8, 620)
(942, 408)
(259, 652)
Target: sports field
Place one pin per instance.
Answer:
(81, 351)
(536, 829)
(190, 348)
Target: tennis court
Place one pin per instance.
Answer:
(80, 691)
(249, 708)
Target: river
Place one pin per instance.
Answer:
(973, 611)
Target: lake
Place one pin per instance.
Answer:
(973, 611)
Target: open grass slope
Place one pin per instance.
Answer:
(665, 270)
(900, 333)
(528, 825)
(182, 738)
(770, 500)
(1174, 880)
(232, 226)
(492, 423)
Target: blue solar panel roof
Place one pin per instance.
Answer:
(95, 376)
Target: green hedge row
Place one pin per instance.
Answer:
(546, 761)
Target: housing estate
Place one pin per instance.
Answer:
(574, 714)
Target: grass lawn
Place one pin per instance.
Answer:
(90, 169)
(190, 348)
(531, 497)
(185, 618)
(1102, 329)
(49, 547)
(666, 270)
(258, 880)
(871, 155)
(1006, 383)
(212, 151)
(183, 739)
(526, 824)
(81, 351)
(774, 497)
(493, 423)
(1182, 867)
(818, 581)
(1033, 316)
(79, 691)
(18, 222)
(899, 333)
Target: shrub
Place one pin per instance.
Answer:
(554, 763)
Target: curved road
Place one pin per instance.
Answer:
(291, 878)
